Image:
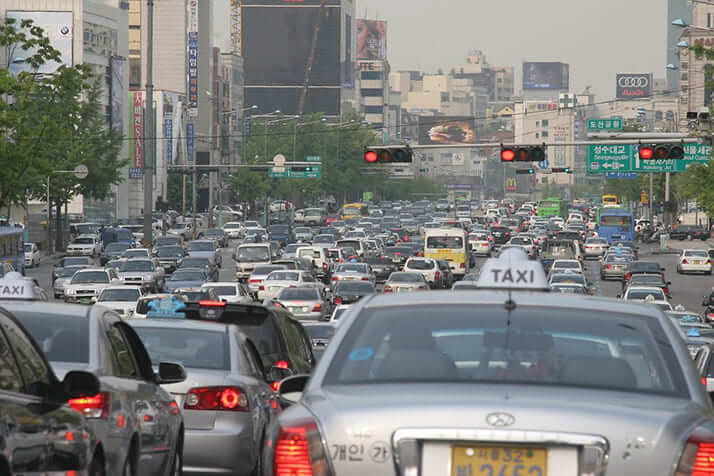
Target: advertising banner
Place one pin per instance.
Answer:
(168, 135)
(136, 118)
(57, 27)
(634, 85)
(189, 143)
(193, 54)
(546, 76)
(371, 39)
(117, 92)
(446, 130)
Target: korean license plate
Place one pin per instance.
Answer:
(497, 460)
(85, 300)
(696, 261)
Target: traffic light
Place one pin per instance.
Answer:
(662, 151)
(523, 153)
(401, 154)
(525, 171)
(562, 170)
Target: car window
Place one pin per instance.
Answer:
(10, 378)
(66, 340)
(124, 359)
(35, 374)
(191, 347)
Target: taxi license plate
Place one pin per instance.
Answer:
(497, 460)
(85, 300)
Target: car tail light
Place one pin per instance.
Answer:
(709, 261)
(254, 280)
(704, 381)
(698, 455)
(317, 307)
(335, 278)
(261, 288)
(666, 290)
(462, 265)
(338, 301)
(437, 275)
(216, 398)
(365, 279)
(282, 364)
(684, 261)
(387, 289)
(213, 303)
(628, 276)
(299, 451)
(608, 266)
(324, 266)
(96, 406)
(421, 287)
(275, 386)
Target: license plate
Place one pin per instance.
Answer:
(443, 252)
(85, 300)
(497, 460)
(696, 261)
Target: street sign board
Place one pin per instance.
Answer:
(314, 171)
(625, 158)
(312, 158)
(614, 124)
(621, 175)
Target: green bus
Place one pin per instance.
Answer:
(553, 207)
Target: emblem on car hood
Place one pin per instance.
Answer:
(500, 419)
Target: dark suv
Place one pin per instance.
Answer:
(692, 232)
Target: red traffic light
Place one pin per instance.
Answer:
(507, 155)
(370, 156)
(646, 153)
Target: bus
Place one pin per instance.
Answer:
(609, 200)
(449, 244)
(354, 210)
(12, 247)
(616, 224)
(553, 207)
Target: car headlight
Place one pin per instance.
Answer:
(69, 292)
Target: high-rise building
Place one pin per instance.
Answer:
(676, 9)
(280, 67)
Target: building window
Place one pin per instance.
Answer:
(537, 123)
(537, 135)
(685, 77)
(685, 65)
(544, 134)
(365, 75)
(374, 109)
(134, 73)
(545, 123)
(372, 92)
(709, 20)
(444, 97)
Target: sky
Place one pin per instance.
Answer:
(598, 38)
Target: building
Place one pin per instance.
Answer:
(677, 9)
(93, 33)
(277, 50)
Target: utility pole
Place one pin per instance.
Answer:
(651, 197)
(668, 218)
(149, 126)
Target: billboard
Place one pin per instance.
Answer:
(57, 27)
(446, 130)
(371, 40)
(136, 120)
(633, 85)
(116, 66)
(192, 6)
(546, 76)
(277, 43)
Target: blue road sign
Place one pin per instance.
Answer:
(621, 175)
(544, 164)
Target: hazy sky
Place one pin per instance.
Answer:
(598, 38)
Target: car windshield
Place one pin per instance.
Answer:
(320, 331)
(324, 239)
(596, 241)
(124, 295)
(283, 276)
(83, 241)
(65, 340)
(198, 295)
(568, 288)
(299, 294)
(354, 287)
(696, 254)
(191, 347)
(136, 253)
(406, 278)
(201, 246)
(117, 247)
(74, 261)
(253, 253)
(349, 244)
(88, 229)
(170, 252)
(232, 226)
(187, 275)
(90, 277)
(265, 270)
(68, 271)
(488, 344)
(352, 268)
(225, 290)
(566, 265)
(144, 266)
(28, 247)
(378, 261)
(192, 262)
(641, 294)
(280, 229)
(302, 230)
(422, 264)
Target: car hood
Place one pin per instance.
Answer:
(142, 274)
(86, 286)
(118, 304)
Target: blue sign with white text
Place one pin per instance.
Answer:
(189, 143)
(621, 175)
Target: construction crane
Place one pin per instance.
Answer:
(236, 24)
(311, 57)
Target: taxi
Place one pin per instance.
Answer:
(14, 286)
(504, 382)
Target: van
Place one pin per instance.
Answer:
(319, 257)
(248, 256)
(315, 217)
(449, 244)
(352, 243)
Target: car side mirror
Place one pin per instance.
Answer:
(669, 283)
(93, 300)
(662, 269)
(171, 372)
(291, 389)
(619, 296)
(78, 384)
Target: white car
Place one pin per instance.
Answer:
(694, 261)
(643, 293)
(121, 299)
(524, 242)
(231, 292)
(87, 284)
(339, 311)
(481, 244)
(278, 280)
(561, 265)
(184, 230)
(233, 229)
(428, 268)
(595, 247)
(32, 255)
(84, 245)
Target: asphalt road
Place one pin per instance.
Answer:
(686, 289)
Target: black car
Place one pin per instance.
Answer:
(399, 254)
(113, 251)
(170, 256)
(349, 292)
(216, 234)
(281, 340)
(501, 234)
(69, 261)
(320, 334)
(689, 232)
(40, 431)
(382, 266)
(642, 267)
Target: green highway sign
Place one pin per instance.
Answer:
(312, 158)
(312, 171)
(606, 158)
(605, 124)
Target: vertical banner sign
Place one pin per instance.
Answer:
(193, 54)
(138, 112)
(117, 92)
(168, 135)
(189, 143)
(246, 126)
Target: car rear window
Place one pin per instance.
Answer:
(191, 347)
(359, 287)
(488, 344)
(297, 294)
(422, 264)
(62, 338)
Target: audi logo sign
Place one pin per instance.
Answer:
(634, 85)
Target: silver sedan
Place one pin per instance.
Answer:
(497, 383)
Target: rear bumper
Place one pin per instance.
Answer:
(695, 268)
(227, 450)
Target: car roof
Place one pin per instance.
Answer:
(181, 324)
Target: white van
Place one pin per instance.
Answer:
(250, 255)
(319, 256)
(449, 244)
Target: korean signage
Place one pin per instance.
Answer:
(137, 130)
(634, 85)
(193, 54)
(371, 39)
(168, 135)
(605, 124)
(189, 143)
(606, 158)
(136, 173)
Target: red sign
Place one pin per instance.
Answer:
(138, 129)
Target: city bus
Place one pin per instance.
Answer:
(616, 224)
(449, 244)
(609, 200)
(12, 247)
(553, 207)
(353, 210)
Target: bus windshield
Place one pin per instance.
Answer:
(615, 220)
(445, 242)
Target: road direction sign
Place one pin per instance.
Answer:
(312, 158)
(614, 124)
(621, 175)
(624, 158)
(81, 172)
(314, 171)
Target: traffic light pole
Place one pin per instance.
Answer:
(628, 141)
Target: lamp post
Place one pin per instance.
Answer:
(149, 126)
